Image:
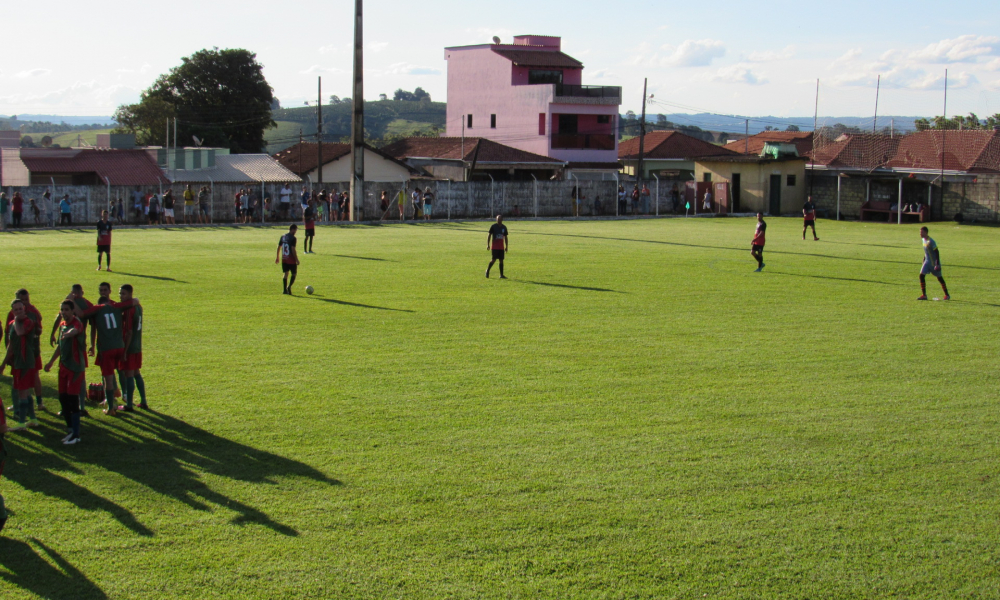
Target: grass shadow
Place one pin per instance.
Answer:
(356, 304)
(572, 287)
(160, 452)
(851, 279)
(29, 570)
(363, 257)
(158, 278)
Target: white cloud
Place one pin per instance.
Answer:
(145, 68)
(318, 70)
(33, 73)
(965, 48)
(484, 35)
(81, 93)
(599, 74)
(845, 58)
(376, 47)
(903, 77)
(772, 55)
(993, 65)
(694, 53)
(330, 49)
(408, 69)
(738, 73)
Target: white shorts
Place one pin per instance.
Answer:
(168, 212)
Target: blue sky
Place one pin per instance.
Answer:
(742, 58)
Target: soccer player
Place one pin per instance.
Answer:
(36, 316)
(76, 296)
(809, 218)
(104, 239)
(309, 222)
(757, 245)
(3, 459)
(72, 354)
(497, 242)
(288, 257)
(932, 265)
(129, 366)
(22, 358)
(110, 343)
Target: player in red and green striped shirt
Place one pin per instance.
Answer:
(72, 354)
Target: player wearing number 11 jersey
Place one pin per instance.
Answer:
(110, 343)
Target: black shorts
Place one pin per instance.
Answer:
(808, 222)
(757, 247)
(310, 233)
(289, 268)
(104, 248)
(498, 254)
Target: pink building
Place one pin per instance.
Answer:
(529, 95)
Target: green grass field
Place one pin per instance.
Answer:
(70, 139)
(634, 413)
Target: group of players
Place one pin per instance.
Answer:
(930, 266)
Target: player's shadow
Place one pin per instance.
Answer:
(356, 304)
(363, 257)
(567, 286)
(160, 452)
(156, 277)
(851, 279)
(29, 570)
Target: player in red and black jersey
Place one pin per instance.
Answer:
(309, 222)
(104, 239)
(22, 358)
(36, 316)
(289, 258)
(72, 355)
(809, 217)
(497, 242)
(3, 460)
(76, 296)
(757, 245)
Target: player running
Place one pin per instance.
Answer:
(110, 343)
(104, 239)
(757, 245)
(809, 218)
(496, 241)
(23, 359)
(309, 222)
(72, 354)
(288, 257)
(128, 368)
(932, 265)
(36, 316)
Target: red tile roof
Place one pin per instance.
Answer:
(801, 139)
(669, 145)
(302, 157)
(121, 167)
(451, 148)
(975, 151)
(538, 58)
(867, 151)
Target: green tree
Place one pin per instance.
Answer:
(221, 96)
(957, 122)
(792, 128)
(147, 120)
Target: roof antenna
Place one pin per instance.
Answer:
(496, 39)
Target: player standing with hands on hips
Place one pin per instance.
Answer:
(497, 242)
(932, 265)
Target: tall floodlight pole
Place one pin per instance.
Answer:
(358, 120)
(642, 133)
(319, 130)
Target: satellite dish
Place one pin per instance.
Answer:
(496, 39)
(197, 141)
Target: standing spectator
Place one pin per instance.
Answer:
(345, 206)
(153, 210)
(401, 202)
(675, 199)
(168, 207)
(622, 207)
(428, 200)
(138, 204)
(598, 209)
(49, 209)
(65, 211)
(635, 199)
(252, 204)
(121, 212)
(203, 216)
(576, 196)
(16, 209)
(321, 203)
(418, 203)
(238, 207)
(304, 198)
(285, 197)
(4, 207)
(645, 199)
(384, 203)
(267, 207)
(706, 204)
(189, 214)
(35, 211)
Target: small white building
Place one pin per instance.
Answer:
(302, 159)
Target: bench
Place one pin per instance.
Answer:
(876, 206)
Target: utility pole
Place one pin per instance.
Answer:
(358, 119)
(642, 132)
(319, 131)
(878, 84)
(300, 150)
(746, 138)
(812, 163)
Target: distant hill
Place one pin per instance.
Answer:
(758, 124)
(103, 121)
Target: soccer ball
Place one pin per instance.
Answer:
(309, 289)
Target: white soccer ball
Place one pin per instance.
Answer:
(309, 289)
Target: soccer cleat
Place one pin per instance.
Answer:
(72, 441)
(758, 269)
(40, 406)
(947, 297)
(924, 297)
(815, 239)
(502, 277)
(143, 406)
(34, 423)
(126, 408)
(111, 412)
(66, 437)
(108, 269)
(84, 413)
(762, 265)
(98, 267)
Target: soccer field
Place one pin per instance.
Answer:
(634, 413)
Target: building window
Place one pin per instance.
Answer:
(468, 121)
(707, 178)
(604, 119)
(542, 76)
(568, 124)
(790, 180)
(493, 121)
(541, 123)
